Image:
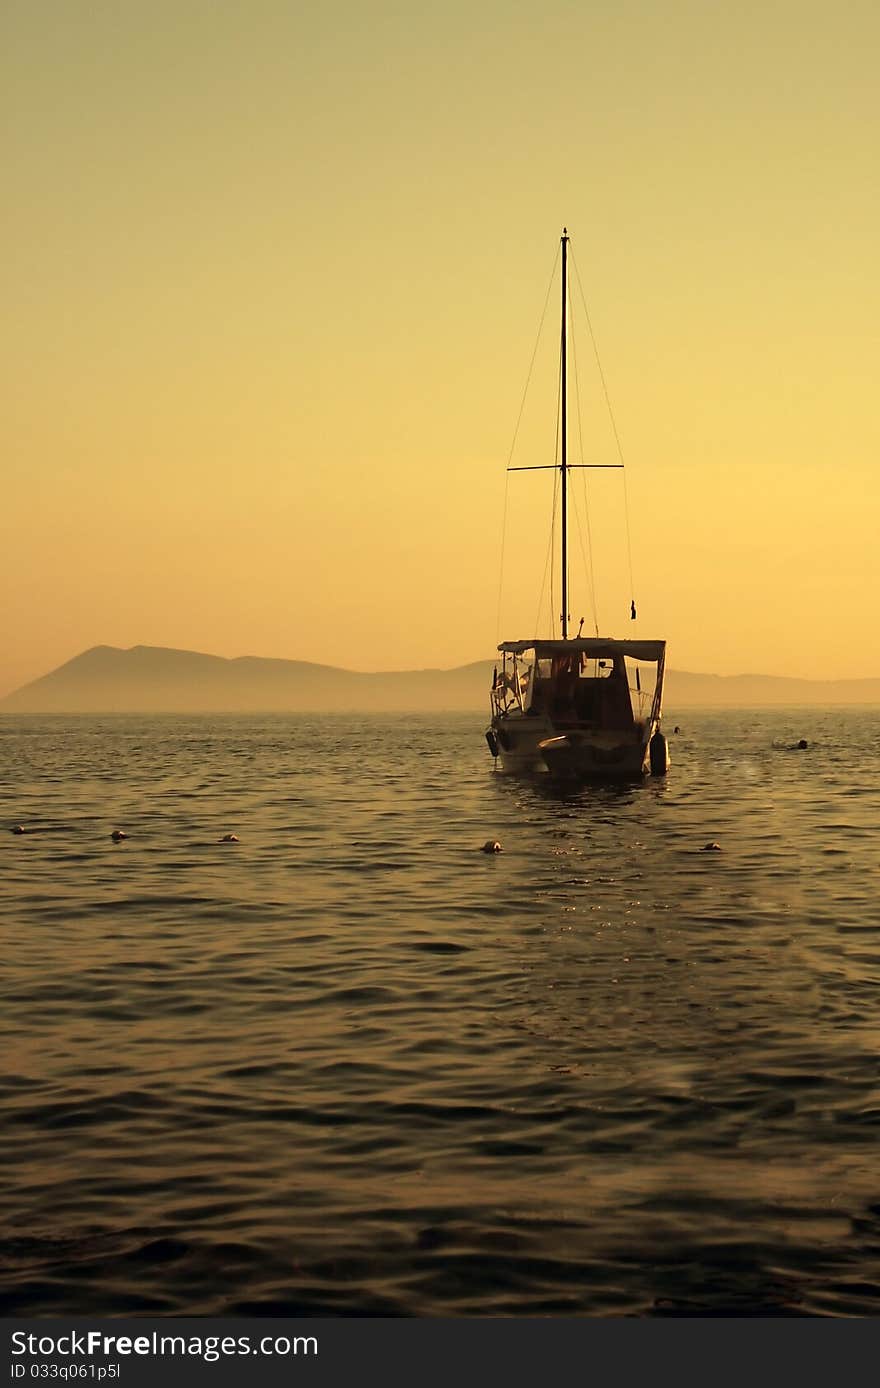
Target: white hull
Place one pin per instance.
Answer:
(519, 741)
(585, 756)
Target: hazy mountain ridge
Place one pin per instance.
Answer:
(106, 679)
(159, 679)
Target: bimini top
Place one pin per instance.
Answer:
(595, 647)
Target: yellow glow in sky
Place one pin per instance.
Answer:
(273, 275)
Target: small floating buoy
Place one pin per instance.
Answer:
(229, 838)
(19, 829)
(676, 729)
(118, 835)
(803, 745)
(708, 847)
(491, 846)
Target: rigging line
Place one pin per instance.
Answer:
(503, 549)
(548, 567)
(613, 425)
(513, 446)
(551, 548)
(588, 565)
(557, 460)
(553, 618)
(532, 362)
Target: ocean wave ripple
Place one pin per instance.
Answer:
(349, 1065)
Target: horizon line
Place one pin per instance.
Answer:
(399, 671)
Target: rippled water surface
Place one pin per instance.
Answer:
(352, 1065)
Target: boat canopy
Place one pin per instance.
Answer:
(594, 647)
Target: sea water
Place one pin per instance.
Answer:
(352, 1065)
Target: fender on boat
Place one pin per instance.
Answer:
(492, 741)
(658, 752)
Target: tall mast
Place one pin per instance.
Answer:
(563, 468)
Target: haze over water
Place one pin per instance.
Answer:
(352, 1065)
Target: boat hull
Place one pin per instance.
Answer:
(518, 740)
(585, 756)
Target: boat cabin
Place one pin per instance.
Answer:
(587, 682)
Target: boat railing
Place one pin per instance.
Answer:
(507, 689)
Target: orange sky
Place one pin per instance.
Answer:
(273, 275)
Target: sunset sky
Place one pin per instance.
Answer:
(273, 274)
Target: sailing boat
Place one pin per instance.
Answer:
(580, 707)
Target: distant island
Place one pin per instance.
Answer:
(152, 679)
